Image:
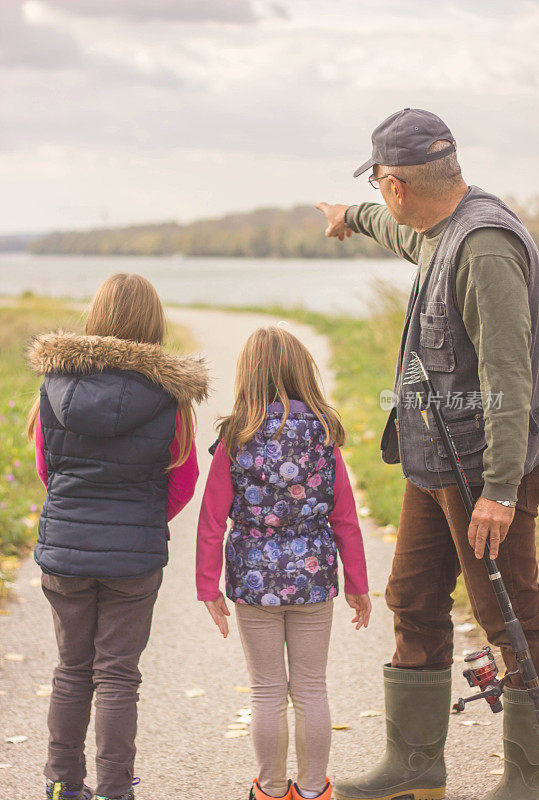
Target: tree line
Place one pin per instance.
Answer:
(270, 232)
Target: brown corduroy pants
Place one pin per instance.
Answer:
(432, 549)
(102, 627)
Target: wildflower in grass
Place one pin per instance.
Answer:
(3, 504)
(2, 417)
(10, 477)
(11, 404)
(33, 508)
(16, 463)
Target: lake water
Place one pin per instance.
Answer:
(347, 285)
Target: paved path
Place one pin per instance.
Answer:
(182, 752)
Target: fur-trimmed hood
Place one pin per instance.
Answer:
(86, 396)
(184, 378)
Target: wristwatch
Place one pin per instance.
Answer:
(507, 503)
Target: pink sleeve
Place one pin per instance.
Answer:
(345, 525)
(182, 479)
(41, 464)
(212, 522)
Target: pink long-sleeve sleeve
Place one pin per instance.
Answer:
(182, 479)
(41, 464)
(345, 526)
(212, 522)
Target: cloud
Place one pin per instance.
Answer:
(303, 90)
(36, 46)
(30, 41)
(234, 11)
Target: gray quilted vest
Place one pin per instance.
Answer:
(434, 329)
(108, 409)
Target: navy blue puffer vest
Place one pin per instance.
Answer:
(108, 409)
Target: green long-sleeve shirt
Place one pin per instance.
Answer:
(491, 294)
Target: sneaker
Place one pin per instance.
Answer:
(324, 795)
(258, 794)
(129, 795)
(59, 790)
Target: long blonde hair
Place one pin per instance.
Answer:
(275, 365)
(128, 307)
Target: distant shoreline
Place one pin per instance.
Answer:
(294, 233)
(264, 233)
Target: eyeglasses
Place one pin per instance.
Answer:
(375, 182)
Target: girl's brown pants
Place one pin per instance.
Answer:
(102, 627)
(432, 549)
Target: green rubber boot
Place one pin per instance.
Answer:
(520, 779)
(417, 716)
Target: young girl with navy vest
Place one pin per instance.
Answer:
(278, 473)
(113, 430)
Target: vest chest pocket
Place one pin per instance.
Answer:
(435, 338)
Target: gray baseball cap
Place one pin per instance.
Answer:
(405, 137)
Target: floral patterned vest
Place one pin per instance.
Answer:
(280, 549)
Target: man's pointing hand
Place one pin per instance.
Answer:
(335, 217)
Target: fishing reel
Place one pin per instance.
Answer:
(482, 672)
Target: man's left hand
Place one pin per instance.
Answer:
(490, 520)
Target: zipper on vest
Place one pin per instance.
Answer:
(478, 419)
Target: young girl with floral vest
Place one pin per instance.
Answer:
(278, 473)
(113, 430)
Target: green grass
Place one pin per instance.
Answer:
(21, 491)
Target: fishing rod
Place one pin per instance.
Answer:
(483, 668)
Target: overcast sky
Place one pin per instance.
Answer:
(118, 111)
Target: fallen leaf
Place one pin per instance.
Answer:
(338, 727)
(236, 734)
(364, 511)
(496, 772)
(15, 739)
(44, 690)
(244, 720)
(377, 594)
(470, 722)
(371, 713)
(5, 612)
(242, 711)
(464, 627)
(389, 537)
(196, 692)
(237, 726)
(14, 657)
(242, 689)
(496, 755)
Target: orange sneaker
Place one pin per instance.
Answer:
(325, 795)
(258, 794)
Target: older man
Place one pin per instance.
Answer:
(473, 319)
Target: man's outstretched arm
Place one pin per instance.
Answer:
(374, 220)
